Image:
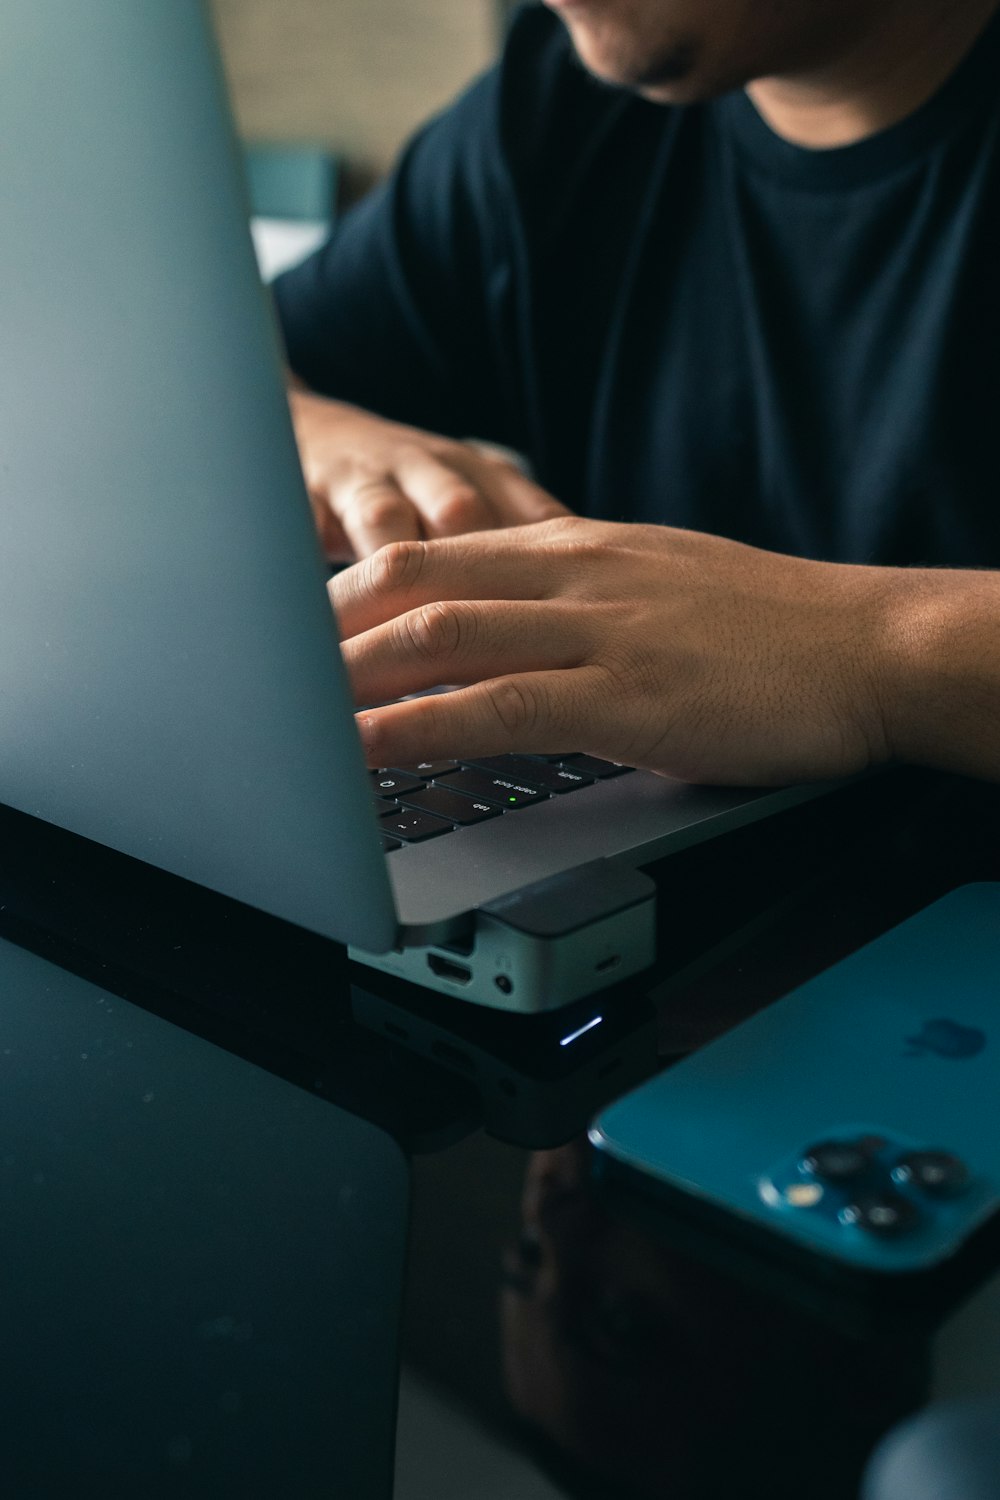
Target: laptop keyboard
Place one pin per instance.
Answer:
(424, 801)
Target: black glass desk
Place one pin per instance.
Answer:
(204, 1286)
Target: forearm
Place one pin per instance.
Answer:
(941, 671)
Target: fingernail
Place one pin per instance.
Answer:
(366, 732)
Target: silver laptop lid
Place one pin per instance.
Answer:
(140, 409)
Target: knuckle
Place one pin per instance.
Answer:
(437, 630)
(460, 509)
(619, 664)
(430, 717)
(395, 567)
(379, 507)
(517, 706)
(443, 450)
(588, 551)
(409, 452)
(566, 528)
(628, 675)
(329, 469)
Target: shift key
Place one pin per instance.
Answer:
(496, 789)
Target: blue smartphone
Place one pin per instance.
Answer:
(855, 1125)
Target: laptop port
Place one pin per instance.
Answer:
(447, 968)
(608, 963)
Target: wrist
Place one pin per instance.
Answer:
(939, 683)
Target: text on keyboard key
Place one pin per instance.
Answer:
(426, 769)
(546, 778)
(498, 789)
(452, 805)
(393, 783)
(413, 826)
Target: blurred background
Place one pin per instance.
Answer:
(351, 77)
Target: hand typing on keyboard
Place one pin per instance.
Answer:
(675, 651)
(372, 481)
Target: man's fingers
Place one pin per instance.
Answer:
(422, 497)
(485, 565)
(449, 503)
(516, 499)
(375, 512)
(462, 641)
(536, 712)
(332, 537)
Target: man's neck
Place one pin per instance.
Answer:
(880, 77)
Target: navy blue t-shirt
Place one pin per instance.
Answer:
(679, 317)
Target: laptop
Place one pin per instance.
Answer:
(170, 679)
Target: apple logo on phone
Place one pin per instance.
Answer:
(946, 1039)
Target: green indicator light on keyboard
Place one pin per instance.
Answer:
(511, 799)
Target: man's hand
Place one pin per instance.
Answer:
(670, 650)
(372, 482)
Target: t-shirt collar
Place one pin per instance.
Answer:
(976, 78)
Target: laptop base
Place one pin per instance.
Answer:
(544, 946)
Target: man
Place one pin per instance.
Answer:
(746, 299)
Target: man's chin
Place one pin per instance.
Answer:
(669, 79)
(681, 91)
(673, 90)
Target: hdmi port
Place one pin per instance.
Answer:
(446, 968)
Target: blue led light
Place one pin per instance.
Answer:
(574, 1034)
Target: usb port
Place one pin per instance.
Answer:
(447, 968)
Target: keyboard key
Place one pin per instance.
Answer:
(601, 770)
(426, 769)
(393, 783)
(412, 826)
(452, 805)
(384, 804)
(389, 844)
(554, 779)
(488, 788)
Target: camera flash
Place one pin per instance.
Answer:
(803, 1194)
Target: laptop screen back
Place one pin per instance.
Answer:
(169, 679)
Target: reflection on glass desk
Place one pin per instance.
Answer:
(202, 1263)
(622, 1365)
(539, 1078)
(553, 1348)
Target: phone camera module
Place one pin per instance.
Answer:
(884, 1214)
(940, 1174)
(837, 1161)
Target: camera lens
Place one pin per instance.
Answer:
(938, 1173)
(837, 1161)
(884, 1214)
